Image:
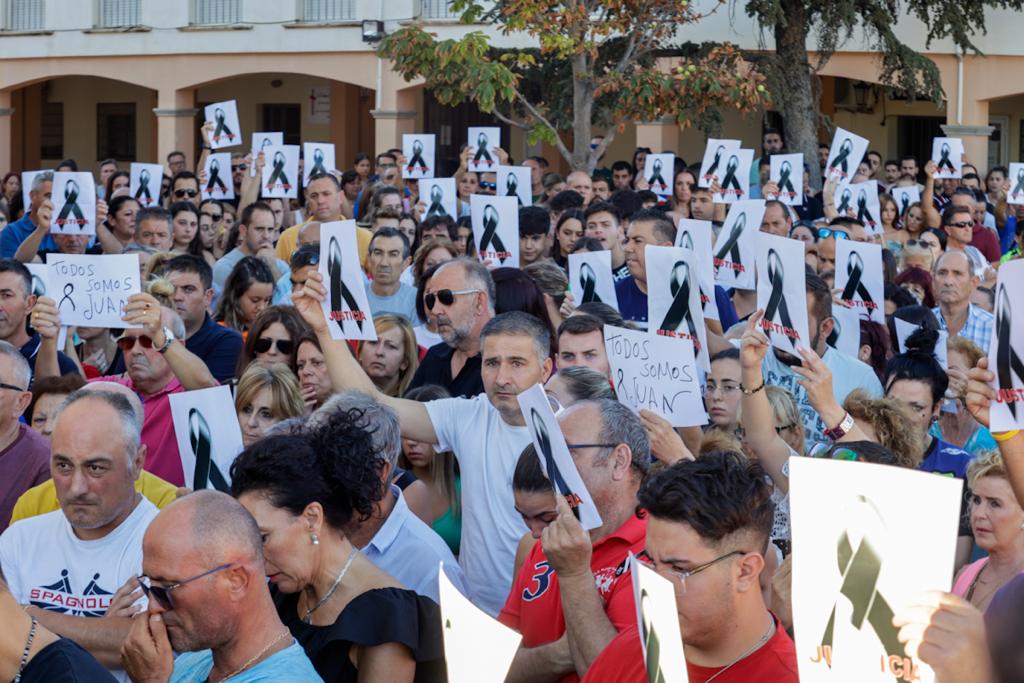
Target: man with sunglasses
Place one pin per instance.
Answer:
(574, 592)
(708, 526)
(839, 228)
(460, 300)
(66, 565)
(184, 187)
(204, 575)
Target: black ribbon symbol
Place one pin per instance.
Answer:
(863, 213)
(1018, 189)
(266, 143)
(278, 176)
(417, 158)
(844, 203)
(656, 179)
(944, 160)
(1007, 361)
(732, 245)
(855, 269)
(222, 129)
(71, 205)
(436, 208)
(482, 154)
(714, 164)
(215, 179)
(652, 644)
(785, 184)
(777, 299)
(511, 187)
(38, 288)
(318, 163)
(904, 203)
(686, 240)
(679, 310)
(339, 290)
(730, 176)
(69, 288)
(490, 238)
(200, 438)
(845, 150)
(588, 281)
(860, 570)
(548, 453)
(144, 186)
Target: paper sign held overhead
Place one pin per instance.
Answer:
(439, 198)
(280, 172)
(715, 155)
(905, 197)
(1007, 350)
(226, 131)
(696, 236)
(144, 182)
(674, 307)
(260, 142)
(787, 171)
(860, 201)
(74, 204)
(591, 279)
(209, 437)
(219, 184)
(484, 142)
(782, 292)
(92, 290)
(845, 336)
(846, 152)
(659, 173)
(1016, 180)
(948, 155)
(735, 181)
(859, 278)
(514, 181)
(318, 158)
(418, 150)
(346, 307)
(496, 229)
(736, 246)
(27, 178)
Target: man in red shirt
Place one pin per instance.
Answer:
(574, 592)
(707, 532)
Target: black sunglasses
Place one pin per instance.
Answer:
(445, 296)
(126, 344)
(825, 233)
(185, 193)
(162, 594)
(488, 186)
(240, 167)
(263, 345)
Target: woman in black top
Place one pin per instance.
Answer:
(355, 622)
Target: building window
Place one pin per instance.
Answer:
(118, 13)
(51, 131)
(437, 9)
(115, 131)
(286, 118)
(317, 11)
(212, 12)
(24, 15)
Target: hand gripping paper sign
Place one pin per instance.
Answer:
(208, 435)
(318, 158)
(346, 308)
(948, 155)
(860, 553)
(144, 181)
(736, 246)
(673, 298)
(782, 291)
(787, 172)
(658, 172)
(696, 236)
(1005, 352)
(91, 291)
(219, 184)
(484, 141)
(418, 150)
(74, 204)
(280, 172)
(859, 278)
(591, 279)
(439, 198)
(846, 152)
(496, 229)
(555, 459)
(657, 374)
(735, 182)
(226, 130)
(658, 622)
(715, 155)
(41, 287)
(476, 647)
(514, 181)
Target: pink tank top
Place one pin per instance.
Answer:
(967, 577)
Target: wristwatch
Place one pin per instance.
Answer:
(169, 339)
(842, 429)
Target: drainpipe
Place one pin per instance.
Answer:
(959, 86)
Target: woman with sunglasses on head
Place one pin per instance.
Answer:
(355, 622)
(273, 338)
(247, 292)
(266, 394)
(391, 361)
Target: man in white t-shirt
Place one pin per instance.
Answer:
(66, 565)
(487, 433)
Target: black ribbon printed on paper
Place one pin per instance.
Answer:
(679, 312)
(855, 285)
(714, 163)
(278, 174)
(143, 191)
(588, 282)
(842, 159)
(785, 182)
(222, 130)
(490, 239)
(483, 155)
(340, 293)
(656, 178)
(318, 163)
(215, 180)
(417, 158)
(199, 436)
(1008, 363)
(547, 452)
(436, 207)
(777, 299)
(944, 160)
(71, 207)
(732, 245)
(730, 176)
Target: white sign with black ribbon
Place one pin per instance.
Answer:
(735, 182)
(439, 198)
(716, 153)
(845, 154)
(859, 278)
(1007, 350)
(905, 197)
(696, 236)
(782, 291)
(736, 247)
(219, 184)
(208, 434)
(280, 172)
(591, 278)
(227, 132)
(673, 298)
(484, 141)
(948, 155)
(260, 142)
(787, 172)
(317, 159)
(346, 307)
(659, 172)
(514, 181)
(74, 204)
(418, 150)
(144, 183)
(496, 229)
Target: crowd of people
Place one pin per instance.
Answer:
(371, 467)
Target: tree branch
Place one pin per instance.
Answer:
(505, 118)
(543, 119)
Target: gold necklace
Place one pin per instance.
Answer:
(255, 657)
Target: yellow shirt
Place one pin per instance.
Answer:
(41, 499)
(288, 242)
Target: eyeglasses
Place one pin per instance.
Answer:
(577, 446)
(185, 193)
(215, 217)
(126, 343)
(263, 345)
(162, 594)
(961, 224)
(726, 389)
(488, 186)
(240, 167)
(445, 296)
(11, 387)
(644, 558)
(825, 233)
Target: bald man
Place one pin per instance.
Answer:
(218, 614)
(580, 181)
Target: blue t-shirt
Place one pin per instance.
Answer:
(15, 233)
(632, 302)
(218, 346)
(944, 458)
(290, 664)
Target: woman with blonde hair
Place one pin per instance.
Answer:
(884, 421)
(391, 361)
(266, 394)
(997, 522)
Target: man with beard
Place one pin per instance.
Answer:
(460, 297)
(204, 574)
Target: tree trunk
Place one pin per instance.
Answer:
(582, 111)
(794, 86)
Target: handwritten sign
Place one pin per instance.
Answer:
(860, 554)
(657, 374)
(208, 434)
(496, 229)
(92, 290)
